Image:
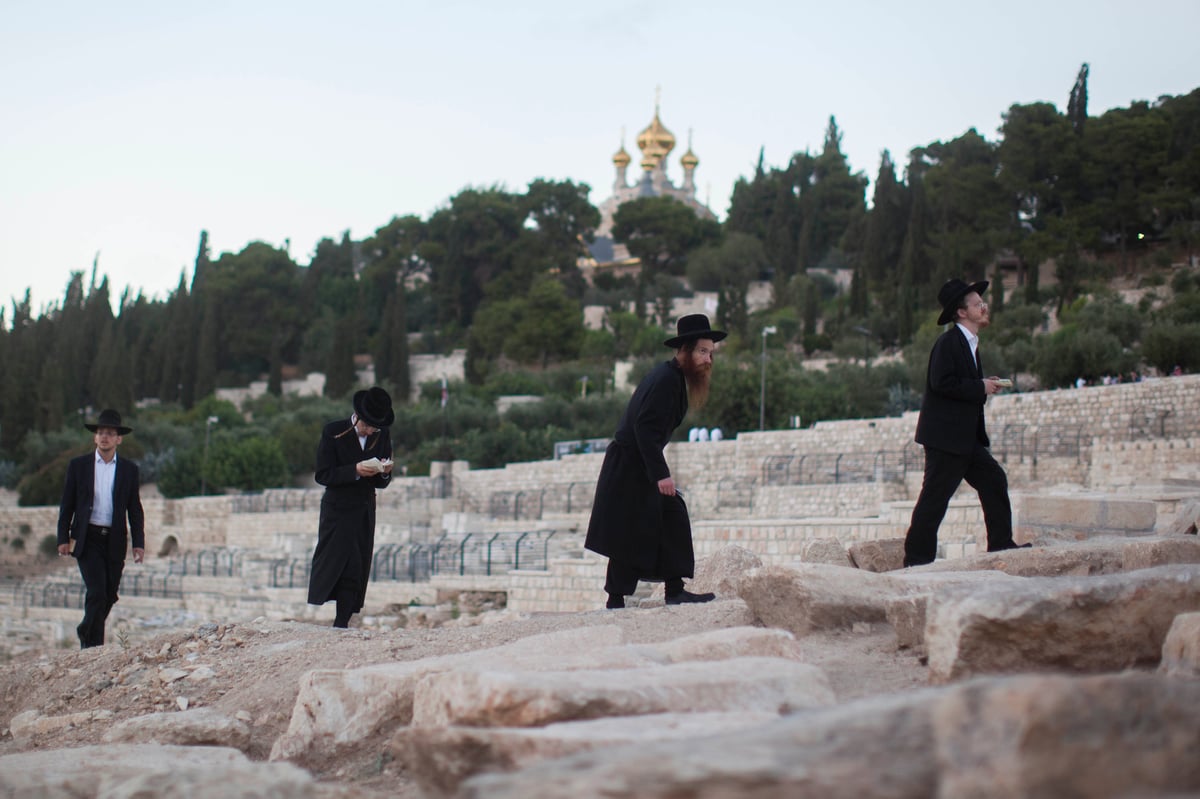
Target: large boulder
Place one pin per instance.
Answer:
(133, 771)
(341, 707)
(906, 613)
(1043, 736)
(805, 597)
(534, 699)
(721, 571)
(1081, 624)
(825, 550)
(440, 758)
(880, 555)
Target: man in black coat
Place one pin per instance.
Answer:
(100, 509)
(354, 457)
(639, 521)
(951, 428)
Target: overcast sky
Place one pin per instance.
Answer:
(128, 127)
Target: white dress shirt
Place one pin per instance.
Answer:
(102, 491)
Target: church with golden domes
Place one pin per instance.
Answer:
(656, 144)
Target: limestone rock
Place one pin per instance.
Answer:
(198, 727)
(1146, 553)
(1056, 736)
(1186, 519)
(907, 613)
(882, 555)
(825, 550)
(721, 571)
(730, 642)
(132, 771)
(1094, 556)
(535, 699)
(338, 707)
(1181, 649)
(440, 758)
(30, 723)
(1082, 624)
(1008, 738)
(809, 596)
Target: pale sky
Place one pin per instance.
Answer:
(128, 127)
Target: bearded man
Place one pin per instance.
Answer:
(639, 520)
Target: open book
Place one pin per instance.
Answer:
(374, 465)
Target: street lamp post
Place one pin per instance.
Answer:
(762, 394)
(866, 334)
(208, 423)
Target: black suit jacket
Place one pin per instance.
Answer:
(951, 416)
(75, 510)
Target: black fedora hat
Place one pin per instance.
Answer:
(952, 292)
(109, 418)
(691, 327)
(374, 406)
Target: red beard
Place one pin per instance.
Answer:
(697, 376)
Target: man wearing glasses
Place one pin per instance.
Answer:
(951, 428)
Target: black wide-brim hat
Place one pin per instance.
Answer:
(109, 418)
(374, 406)
(692, 327)
(952, 292)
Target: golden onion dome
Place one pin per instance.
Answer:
(622, 158)
(656, 139)
(689, 160)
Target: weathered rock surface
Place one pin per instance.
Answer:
(338, 707)
(535, 699)
(198, 727)
(1181, 649)
(29, 723)
(883, 555)
(825, 550)
(1186, 519)
(1080, 624)
(136, 771)
(907, 613)
(1044, 737)
(721, 571)
(810, 596)
(440, 758)
(1110, 555)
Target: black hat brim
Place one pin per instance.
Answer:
(950, 309)
(121, 431)
(712, 335)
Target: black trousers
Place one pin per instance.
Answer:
(100, 564)
(622, 579)
(944, 472)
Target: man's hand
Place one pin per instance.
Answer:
(666, 487)
(64, 550)
(991, 385)
(138, 555)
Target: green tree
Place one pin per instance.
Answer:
(728, 269)
(885, 225)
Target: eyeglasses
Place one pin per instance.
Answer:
(982, 305)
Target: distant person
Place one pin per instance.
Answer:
(639, 520)
(101, 509)
(354, 458)
(694, 434)
(716, 434)
(952, 430)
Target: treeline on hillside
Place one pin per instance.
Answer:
(496, 271)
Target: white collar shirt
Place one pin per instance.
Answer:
(102, 491)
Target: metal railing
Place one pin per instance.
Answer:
(735, 492)
(215, 562)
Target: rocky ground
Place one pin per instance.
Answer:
(252, 670)
(1012, 674)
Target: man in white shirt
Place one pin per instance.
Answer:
(101, 509)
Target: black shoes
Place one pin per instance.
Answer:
(687, 597)
(615, 602)
(1012, 545)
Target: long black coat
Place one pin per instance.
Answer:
(631, 522)
(951, 416)
(75, 509)
(346, 533)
